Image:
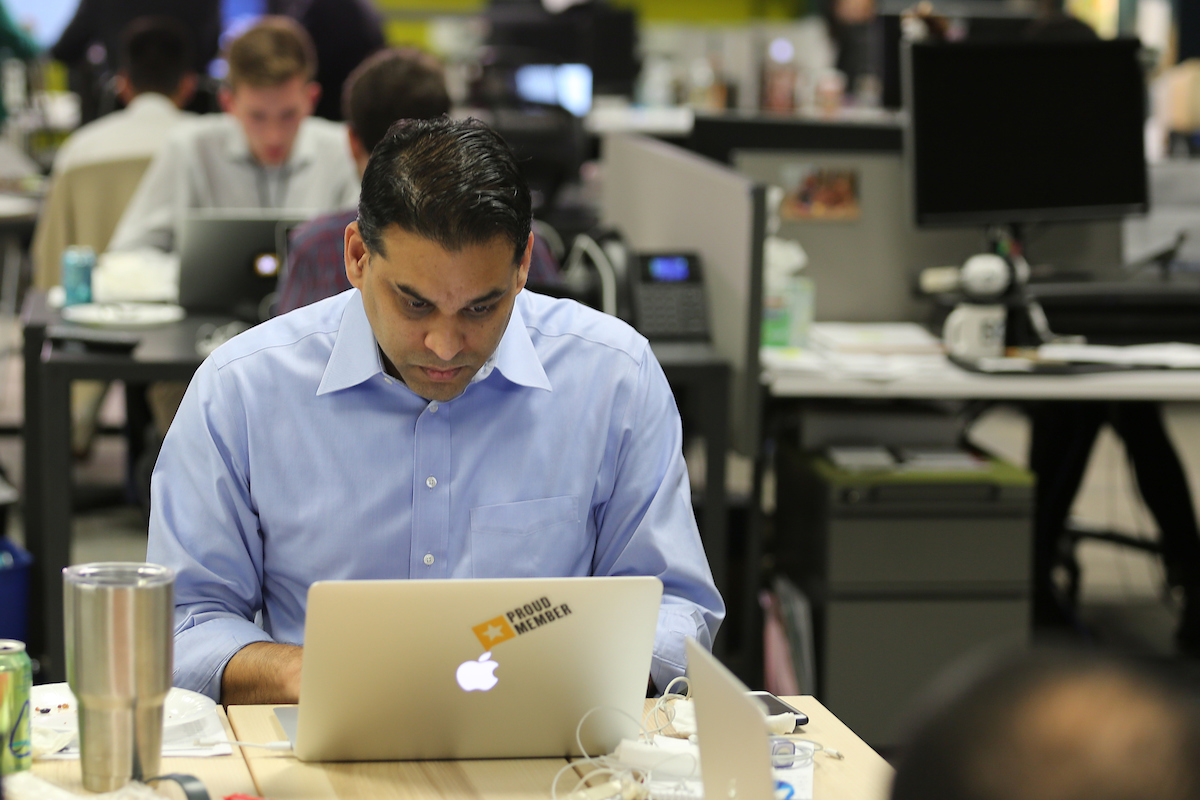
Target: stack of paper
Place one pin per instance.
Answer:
(881, 338)
(862, 459)
(940, 459)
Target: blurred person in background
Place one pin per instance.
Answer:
(856, 36)
(1055, 725)
(266, 151)
(97, 169)
(90, 45)
(1062, 437)
(103, 22)
(344, 33)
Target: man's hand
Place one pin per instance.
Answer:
(262, 672)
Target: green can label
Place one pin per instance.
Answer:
(16, 683)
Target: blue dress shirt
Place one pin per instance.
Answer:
(295, 458)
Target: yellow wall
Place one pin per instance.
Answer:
(648, 10)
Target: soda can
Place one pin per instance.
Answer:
(16, 683)
(77, 263)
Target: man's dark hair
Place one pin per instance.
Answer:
(1057, 725)
(454, 182)
(403, 83)
(156, 53)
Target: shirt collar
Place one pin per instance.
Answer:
(355, 357)
(516, 359)
(152, 103)
(237, 148)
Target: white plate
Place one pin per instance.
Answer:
(123, 314)
(181, 707)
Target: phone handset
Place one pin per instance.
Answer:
(610, 256)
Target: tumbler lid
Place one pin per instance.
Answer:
(11, 646)
(119, 574)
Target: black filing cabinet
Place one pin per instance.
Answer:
(905, 572)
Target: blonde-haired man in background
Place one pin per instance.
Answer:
(266, 151)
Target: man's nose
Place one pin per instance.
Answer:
(444, 341)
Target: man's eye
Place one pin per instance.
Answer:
(416, 305)
(479, 311)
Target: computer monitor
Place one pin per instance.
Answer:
(566, 85)
(1009, 133)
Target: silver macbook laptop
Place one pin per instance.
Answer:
(453, 669)
(229, 260)
(735, 753)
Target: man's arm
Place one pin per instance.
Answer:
(648, 527)
(263, 672)
(203, 525)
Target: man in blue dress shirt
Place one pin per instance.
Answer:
(434, 421)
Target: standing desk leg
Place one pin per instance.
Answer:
(57, 497)
(751, 617)
(32, 506)
(48, 444)
(713, 409)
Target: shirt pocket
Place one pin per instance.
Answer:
(532, 538)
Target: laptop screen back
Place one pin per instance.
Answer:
(450, 669)
(735, 758)
(229, 261)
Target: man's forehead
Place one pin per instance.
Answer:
(397, 236)
(292, 88)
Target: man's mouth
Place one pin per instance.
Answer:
(441, 375)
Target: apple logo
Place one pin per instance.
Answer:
(476, 676)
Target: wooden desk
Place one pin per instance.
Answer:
(223, 775)
(280, 776)
(861, 775)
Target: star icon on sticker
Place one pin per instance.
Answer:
(494, 631)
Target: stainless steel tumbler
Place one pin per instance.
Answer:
(118, 624)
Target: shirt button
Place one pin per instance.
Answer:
(428, 559)
(433, 407)
(431, 482)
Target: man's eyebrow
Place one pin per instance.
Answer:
(494, 294)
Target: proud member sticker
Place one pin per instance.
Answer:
(519, 621)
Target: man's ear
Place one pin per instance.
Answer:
(525, 260)
(358, 151)
(314, 94)
(124, 88)
(356, 255)
(225, 97)
(186, 90)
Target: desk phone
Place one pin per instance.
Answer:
(668, 297)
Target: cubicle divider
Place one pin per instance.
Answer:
(662, 197)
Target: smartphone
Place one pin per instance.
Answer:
(776, 706)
